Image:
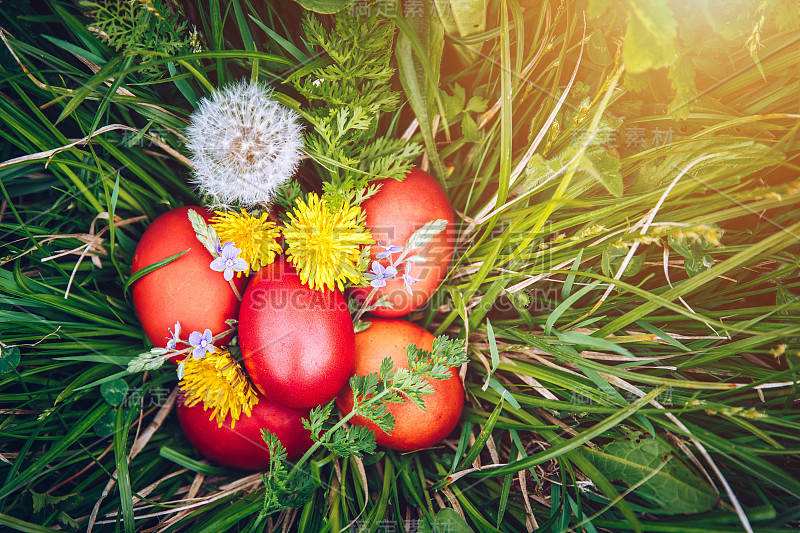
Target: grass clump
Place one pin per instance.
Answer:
(626, 281)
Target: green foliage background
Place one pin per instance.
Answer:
(627, 275)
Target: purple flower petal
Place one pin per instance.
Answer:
(194, 338)
(176, 336)
(378, 282)
(228, 274)
(388, 249)
(240, 265)
(229, 251)
(218, 264)
(199, 352)
(408, 280)
(389, 272)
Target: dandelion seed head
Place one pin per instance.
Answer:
(244, 144)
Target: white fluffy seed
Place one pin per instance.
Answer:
(245, 145)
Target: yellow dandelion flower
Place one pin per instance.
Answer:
(255, 236)
(323, 242)
(219, 382)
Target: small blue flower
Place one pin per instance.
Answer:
(219, 247)
(408, 280)
(176, 336)
(388, 250)
(379, 274)
(229, 262)
(201, 343)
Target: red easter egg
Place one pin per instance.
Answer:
(243, 446)
(397, 210)
(297, 343)
(415, 429)
(186, 290)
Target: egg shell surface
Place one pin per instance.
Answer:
(297, 343)
(415, 429)
(186, 290)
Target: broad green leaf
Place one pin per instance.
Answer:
(695, 258)
(736, 159)
(675, 488)
(596, 162)
(697, 262)
(538, 171)
(446, 520)
(105, 426)
(612, 260)
(681, 75)
(470, 129)
(44, 499)
(604, 168)
(454, 103)
(9, 358)
(324, 7)
(650, 37)
(597, 49)
(477, 104)
(469, 15)
(727, 19)
(463, 18)
(597, 8)
(114, 391)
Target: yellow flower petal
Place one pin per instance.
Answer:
(255, 236)
(324, 243)
(219, 382)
